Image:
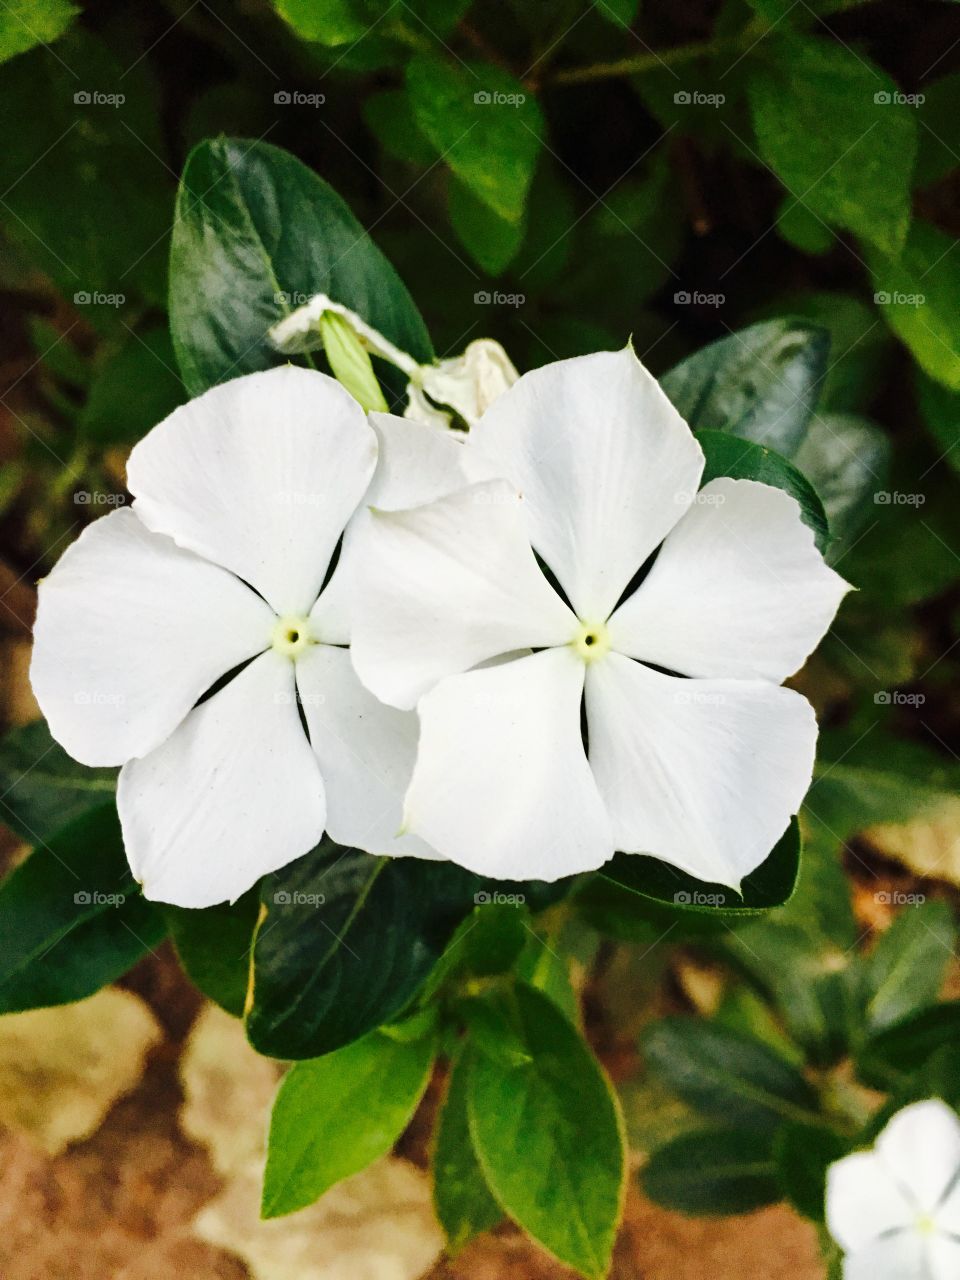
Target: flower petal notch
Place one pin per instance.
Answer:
(191, 637)
(666, 618)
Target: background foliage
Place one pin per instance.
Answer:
(763, 195)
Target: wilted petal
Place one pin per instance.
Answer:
(260, 475)
(605, 465)
(234, 793)
(739, 589)
(704, 774)
(502, 785)
(131, 630)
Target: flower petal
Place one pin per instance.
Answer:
(233, 794)
(448, 585)
(130, 631)
(417, 462)
(863, 1201)
(260, 475)
(605, 465)
(739, 589)
(502, 785)
(900, 1256)
(920, 1147)
(942, 1257)
(366, 752)
(704, 774)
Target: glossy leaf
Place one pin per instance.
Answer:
(42, 788)
(710, 1172)
(847, 461)
(906, 968)
(804, 1152)
(464, 1203)
(214, 947)
(908, 1045)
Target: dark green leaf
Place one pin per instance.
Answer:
(907, 1046)
(486, 942)
(335, 1115)
(257, 232)
(905, 970)
(759, 384)
(491, 240)
(729, 456)
(711, 1172)
(940, 410)
(42, 788)
(804, 1152)
(214, 947)
(727, 1075)
(73, 919)
(464, 1203)
(847, 460)
(135, 388)
(548, 1135)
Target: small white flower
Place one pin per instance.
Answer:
(241, 497)
(895, 1210)
(600, 470)
(468, 384)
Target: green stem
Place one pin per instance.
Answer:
(651, 61)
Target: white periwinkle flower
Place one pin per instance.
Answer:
(241, 497)
(459, 619)
(468, 383)
(895, 1210)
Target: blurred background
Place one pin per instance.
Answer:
(671, 172)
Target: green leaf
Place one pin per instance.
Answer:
(759, 384)
(256, 233)
(73, 919)
(214, 947)
(350, 362)
(26, 23)
(727, 1075)
(905, 970)
(847, 460)
(804, 1152)
(464, 1203)
(741, 459)
(713, 1172)
(491, 240)
(918, 296)
(620, 13)
(42, 788)
(390, 119)
(329, 22)
(856, 173)
(802, 229)
(335, 1115)
(484, 123)
(937, 113)
(901, 1050)
(940, 410)
(548, 1135)
(486, 942)
(134, 389)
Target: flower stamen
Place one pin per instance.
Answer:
(591, 641)
(291, 636)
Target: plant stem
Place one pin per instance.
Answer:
(650, 61)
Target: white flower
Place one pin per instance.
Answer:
(468, 384)
(241, 498)
(703, 772)
(895, 1210)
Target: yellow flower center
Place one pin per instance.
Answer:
(591, 641)
(291, 635)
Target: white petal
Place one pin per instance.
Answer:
(416, 463)
(901, 1256)
(704, 774)
(943, 1257)
(739, 589)
(448, 585)
(920, 1147)
(863, 1201)
(299, 331)
(366, 752)
(261, 475)
(131, 630)
(235, 793)
(605, 465)
(502, 785)
(470, 383)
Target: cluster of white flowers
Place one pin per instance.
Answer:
(316, 619)
(895, 1210)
